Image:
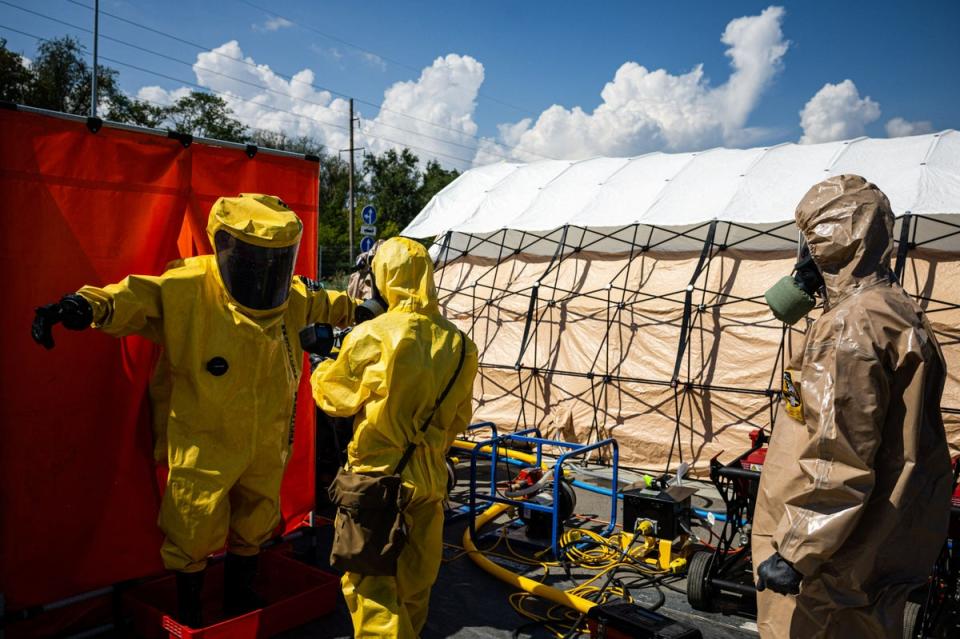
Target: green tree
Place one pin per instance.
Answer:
(279, 140)
(394, 189)
(205, 115)
(14, 75)
(435, 179)
(133, 111)
(60, 79)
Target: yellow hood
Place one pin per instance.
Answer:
(263, 220)
(404, 273)
(848, 225)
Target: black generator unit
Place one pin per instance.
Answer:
(630, 621)
(668, 510)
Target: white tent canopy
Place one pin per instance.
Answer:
(608, 203)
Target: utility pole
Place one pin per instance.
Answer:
(96, 38)
(351, 183)
(351, 202)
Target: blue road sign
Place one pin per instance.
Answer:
(369, 215)
(366, 244)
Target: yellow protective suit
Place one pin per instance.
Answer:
(227, 433)
(857, 495)
(389, 374)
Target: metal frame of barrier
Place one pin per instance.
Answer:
(574, 451)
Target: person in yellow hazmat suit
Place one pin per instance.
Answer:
(389, 372)
(854, 496)
(231, 365)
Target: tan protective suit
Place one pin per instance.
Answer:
(857, 497)
(358, 286)
(389, 373)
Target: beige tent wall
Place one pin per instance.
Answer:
(603, 341)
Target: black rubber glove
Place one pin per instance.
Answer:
(317, 339)
(72, 310)
(312, 285)
(779, 575)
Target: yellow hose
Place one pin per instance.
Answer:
(502, 450)
(505, 452)
(518, 581)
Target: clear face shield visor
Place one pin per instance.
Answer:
(257, 277)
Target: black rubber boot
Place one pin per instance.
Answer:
(239, 573)
(189, 603)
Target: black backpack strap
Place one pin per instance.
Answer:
(412, 446)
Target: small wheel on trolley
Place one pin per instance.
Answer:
(699, 594)
(913, 621)
(451, 476)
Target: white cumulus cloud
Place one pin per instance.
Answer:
(261, 99)
(643, 110)
(432, 114)
(836, 112)
(273, 24)
(373, 60)
(898, 127)
(160, 96)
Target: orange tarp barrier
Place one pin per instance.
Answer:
(79, 496)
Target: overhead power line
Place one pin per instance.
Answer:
(308, 27)
(293, 79)
(466, 162)
(257, 85)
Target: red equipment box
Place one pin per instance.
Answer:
(295, 593)
(955, 499)
(754, 461)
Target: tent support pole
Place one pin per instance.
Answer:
(684, 337)
(688, 300)
(903, 246)
(444, 252)
(534, 296)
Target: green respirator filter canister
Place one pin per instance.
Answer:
(788, 301)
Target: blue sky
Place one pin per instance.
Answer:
(515, 60)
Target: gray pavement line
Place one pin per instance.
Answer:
(707, 620)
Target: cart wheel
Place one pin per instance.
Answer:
(913, 621)
(568, 501)
(698, 589)
(451, 476)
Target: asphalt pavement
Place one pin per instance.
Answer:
(467, 602)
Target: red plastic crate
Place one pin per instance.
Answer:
(754, 461)
(295, 594)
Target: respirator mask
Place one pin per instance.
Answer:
(792, 297)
